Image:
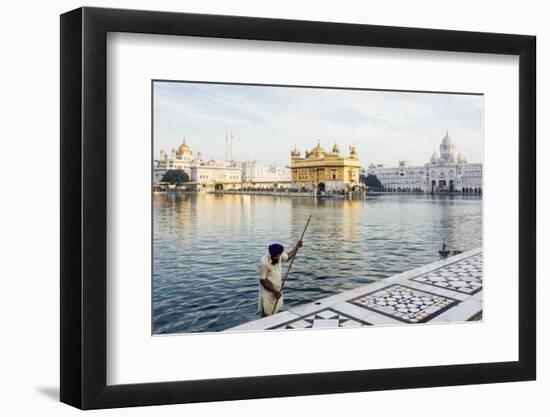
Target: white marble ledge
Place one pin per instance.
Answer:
(265, 322)
(468, 306)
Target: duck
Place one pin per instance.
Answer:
(444, 252)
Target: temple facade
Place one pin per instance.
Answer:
(448, 172)
(180, 158)
(219, 175)
(325, 171)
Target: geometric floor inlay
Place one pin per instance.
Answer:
(326, 318)
(404, 303)
(465, 276)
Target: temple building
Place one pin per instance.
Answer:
(180, 158)
(325, 171)
(254, 172)
(219, 175)
(203, 175)
(448, 172)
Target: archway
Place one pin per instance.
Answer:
(321, 187)
(218, 187)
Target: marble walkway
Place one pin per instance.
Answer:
(449, 290)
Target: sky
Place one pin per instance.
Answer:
(267, 122)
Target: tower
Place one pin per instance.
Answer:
(447, 148)
(226, 147)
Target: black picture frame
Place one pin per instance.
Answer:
(84, 207)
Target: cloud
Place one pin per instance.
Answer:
(268, 121)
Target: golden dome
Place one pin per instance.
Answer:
(295, 152)
(183, 148)
(318, 151)
(335, 148)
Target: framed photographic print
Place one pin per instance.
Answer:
(354, 202)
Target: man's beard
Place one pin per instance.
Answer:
(274, 261)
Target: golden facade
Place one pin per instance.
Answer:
(325, 171)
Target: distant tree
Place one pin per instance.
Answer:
(372, 181)
(175, 176)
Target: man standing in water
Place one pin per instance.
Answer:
(270, 277)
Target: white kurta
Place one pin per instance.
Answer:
(266, 299)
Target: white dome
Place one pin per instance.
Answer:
(447, 141)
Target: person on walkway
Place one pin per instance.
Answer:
(271, 279)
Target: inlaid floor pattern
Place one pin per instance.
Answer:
(464, 276)
(404, 303)
(326, 318)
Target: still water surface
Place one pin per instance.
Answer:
(207, 248)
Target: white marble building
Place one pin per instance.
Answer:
(253, 172)
(213, 173)
(209, 174)
(447, 172)
(216, 174)
(180, 158)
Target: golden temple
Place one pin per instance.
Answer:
(325, 171)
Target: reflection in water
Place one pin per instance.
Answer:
(207, 248)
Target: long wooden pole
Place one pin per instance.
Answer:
(290, 266)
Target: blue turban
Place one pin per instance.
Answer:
(276, 249)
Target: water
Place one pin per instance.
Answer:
(207, 248)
